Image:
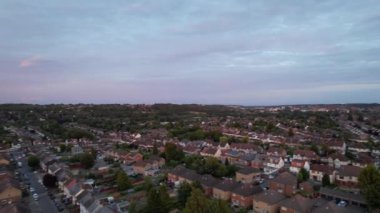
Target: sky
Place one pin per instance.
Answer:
(245, 52)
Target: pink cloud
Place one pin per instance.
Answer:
(29, 62)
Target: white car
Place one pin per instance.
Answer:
(342, 203)
(32, 189)
(35, 196)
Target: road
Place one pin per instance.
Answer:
(44, 203)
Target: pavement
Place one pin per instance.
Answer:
(44, 204)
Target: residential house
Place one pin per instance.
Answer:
(191, 150)
(245, 147)
(247, 175)
(243, 194)
(231, 155)
(297, 165)
(267, 201)
(223, 190)
(131, 158)
(285, 183)
(273, 163)
(46, 162)
(359, 148)
(337, 160)
(363, 160)
(211, 152)
(275, 151)
(149, 166)
(208, 183)
(245, 159)
(76, 150)
(347, 176)
(307, 187)
(317, 171)
(72, 189)
(296, 204)
(54, 169)
(306, 155)
(338, 146)
(88, 204)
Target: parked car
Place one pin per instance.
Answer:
(35, 196)
(342, 203)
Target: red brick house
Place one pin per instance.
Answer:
(347, 176)
(285, 183)
(242, 195)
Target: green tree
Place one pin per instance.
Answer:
(33, 162)
(218, 206)
(173, 154)
(369, 182)
(290, 132)
(196, 203)
(223, 139)
(158, 201)
(122, 181)
(326, 180)
(314, 148)
(196, 184)
(49, 180)
(87, 160)
(184, 191)
(148, 185)
(303, 175)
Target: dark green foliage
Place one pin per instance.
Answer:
(196, 203)
(86, 159)
(303, 175)
(184, 191)
(33, 161)
(326, 180)
(158, 201)
(49, 180)
(209, 165)
(122, 181)
(199, 203)
(218, 206)
(148, 185)
(369, 182)
(173, 154)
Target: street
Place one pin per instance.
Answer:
(44, 203)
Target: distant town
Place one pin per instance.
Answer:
(189, 158)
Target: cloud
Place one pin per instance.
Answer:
(30, 62)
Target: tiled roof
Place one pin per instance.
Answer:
(270, 197)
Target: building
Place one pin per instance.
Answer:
(285, 183)
(243, 194)
(223, 190)
(274, 151)
(317, 171)
(247, 175)
(148, 167)
(267, 201)
(297, 165)
(272, 164)
(306, 155)
(296, 204)
(348, 176)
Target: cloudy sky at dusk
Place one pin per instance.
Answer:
(211, 52)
